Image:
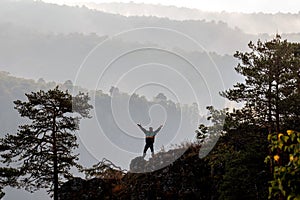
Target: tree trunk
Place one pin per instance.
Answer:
(270, 128)
(277, 110)
(55, 167)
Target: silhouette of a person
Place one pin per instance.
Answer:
(150, 135)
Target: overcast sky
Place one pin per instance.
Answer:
(248, 6)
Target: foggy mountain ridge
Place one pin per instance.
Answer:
(248, 22)
(23, 52)
(215, 36)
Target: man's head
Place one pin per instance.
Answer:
(150, 129)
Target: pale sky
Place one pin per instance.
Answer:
(247, 6)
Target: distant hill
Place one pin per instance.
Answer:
(215, 36)
(60, 57)
(253, 23)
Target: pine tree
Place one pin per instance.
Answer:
(271, 90)
(42, 150)
(8, 177)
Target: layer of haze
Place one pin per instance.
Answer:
(251, 16)
(266, 6)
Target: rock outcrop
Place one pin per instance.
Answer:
(181, 179)
(185, 178)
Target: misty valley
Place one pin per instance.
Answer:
(117, 100)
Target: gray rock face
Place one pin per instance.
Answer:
(159, 161)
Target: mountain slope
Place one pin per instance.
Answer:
(254, 23)
(42, 17)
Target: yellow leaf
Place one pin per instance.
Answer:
(289, 132)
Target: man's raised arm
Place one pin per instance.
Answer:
(144, 130)
(157, 130)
